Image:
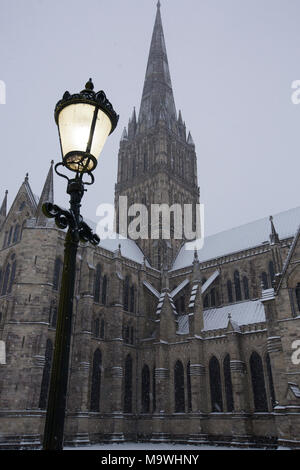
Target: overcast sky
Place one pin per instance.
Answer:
(232, 64)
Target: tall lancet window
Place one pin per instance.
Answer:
(46, 375)
(97, 283)
(228, 384)
(179, 387)
(215, 385)
(128, 385)
(237, 286)
(258, 383)
(145, 399)
(96, 381)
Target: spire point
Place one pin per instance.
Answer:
(158, 4)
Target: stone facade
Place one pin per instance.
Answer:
(198, 353)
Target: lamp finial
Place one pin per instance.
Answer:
(89, 85)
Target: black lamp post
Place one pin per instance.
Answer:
(84, 121)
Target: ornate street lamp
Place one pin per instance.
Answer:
(84, 122)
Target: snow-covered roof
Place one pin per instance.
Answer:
(240, 238)
(242, 313)
(129, 249)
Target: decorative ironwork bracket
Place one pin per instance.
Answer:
(80, 231)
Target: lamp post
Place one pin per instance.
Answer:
(84, 122)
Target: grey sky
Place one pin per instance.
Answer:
(232, 63)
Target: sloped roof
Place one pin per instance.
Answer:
(240, 238)
(242, 313)
(129, 249)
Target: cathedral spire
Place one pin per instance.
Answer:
(46, 196)
(157, 92)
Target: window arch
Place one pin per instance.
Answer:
(46, 375)
(97, 284)
(145, 399)
(179, 387)
(229, 291)
(57, 273)
(264, 280)
(96, 381)
(128, 385)
(104, 290)
(237, 286)
(228, 384)
(258, 383)
(215, 385)
(246, 287)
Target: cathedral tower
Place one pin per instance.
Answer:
(157, 160)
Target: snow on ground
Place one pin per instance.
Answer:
(149, 446)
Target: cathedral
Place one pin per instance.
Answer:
(168, 344)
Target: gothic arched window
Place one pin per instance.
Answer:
(104, 290)
(297, 292)
(96, 381)
(228, 384)
(258, 383)
(154, 390)
(5, 279)
(46, 375)
(213, 297)
(206, 301)
(9, 236)
(53, 319)
(264, 280)
(102, 328)
(12, 276)
(179, 387)
(128, 385)
(229, 291)
(237, 286)
(189, 387)
(57, 273)
(270, 377)
(145, 399)
(126, 293)
(215, 385)
(16, 233)
(97, 283)
(132, 299)
(246, 287)
(271, 272)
